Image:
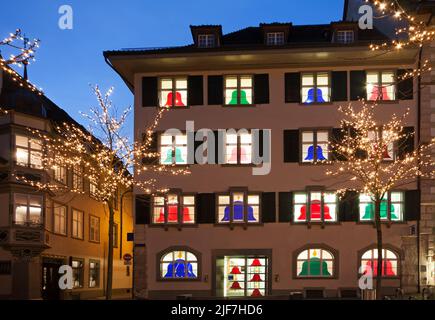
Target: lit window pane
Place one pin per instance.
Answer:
(307, 80)
(231, 82)
(387, 77)
(224, 200)
(246, 82)
(22, 156)
(166, 83)
(22, 141)
(322, 79)
(253, 199)
(181, 84)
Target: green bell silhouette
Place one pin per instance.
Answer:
(243, 98)
(370, 211)
(314, 268)
(178, 157)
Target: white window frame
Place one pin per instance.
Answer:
(315, 142)
(32, 153)
(206, 40)
(28, 207)
(94, 228)
(345, 36)
(308, 218)
(174, 145)
(181, 205)
(60, 216)
(174, 88)
(315, 75)
(388, 197)
(380, 83)
(246, 203)
(77, 222)
(239, 144)
(275, 38)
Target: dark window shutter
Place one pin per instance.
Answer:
(406, 144)
(292, 87)
(358, 83)
(285, 206)
(197, 144)
(348, 207)
(412, 205)
(405, 87)
(149, 92)
(339, 85)
(196, 91)
(261, 88)
(143, 209)
(215, 90)
(291, 146)
(268, 207)
(337, 138)
(152, 148)
(206, 208)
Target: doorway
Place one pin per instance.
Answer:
(50, 278)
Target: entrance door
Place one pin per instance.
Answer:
(50, 279)
(243, 276)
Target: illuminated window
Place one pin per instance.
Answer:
(315, 206)
(77, 178)
(313, 263)
(390, 260)
(94, 229)
(316, 87)
(93, 189)
(345, 36)
(60, 174)
(381, 85)
(28, 152)
(77, 224)
(174, 209)
(239, 207)
(238, 90)
(179, 265)
(173, 149)
(60, 216)
(238, 148)
(173, 92)
(275, 38)
(94, 274)
(245, 276)
(206, 40)
(78, 272)
(315, 146)
(27, 209)
(392, 207)
(379, 139)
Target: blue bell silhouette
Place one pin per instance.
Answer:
(311, 98)
(179, 267)
(310, 156)
(238, 212)
(320, 155)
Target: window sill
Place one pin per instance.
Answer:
(317, 104)
(315, 278)
(75, 238)
(319, 163)
(229, 106)
(244, 225)
(241, 165)
(174, 108)
(173, 226)
(197, 279)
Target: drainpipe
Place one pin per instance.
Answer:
(419, 178)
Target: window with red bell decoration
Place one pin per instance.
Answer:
(381, 86)
(173, 209)
(315, 206)
(381, 142)
(369, 263)
(238, 148)
(173, 92)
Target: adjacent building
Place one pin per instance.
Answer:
(40, 232)
(223, 232)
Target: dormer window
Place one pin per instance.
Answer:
(206, 40)
(345, 36)
(275, 38)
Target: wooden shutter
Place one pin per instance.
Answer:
(285, 206)
(268, 207)
(348, 208)
(215, 90)
(152, 148)
(196, 90)
(293, 87)
(149, 92)
(339, 85)
(358, 83)
(405, 88)
(337, 137)
(261, 88)
(412, 205)
(206, 208)
(143, 209)
(406, 144)
(291, 146)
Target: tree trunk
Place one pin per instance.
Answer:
(110, 253)
(379, 247)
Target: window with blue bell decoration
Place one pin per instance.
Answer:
(316, 87)
(238, 90)
(173, 149)
(238, 207)
(179, 265)
(315, 146)
(392, 207)
(173, 92)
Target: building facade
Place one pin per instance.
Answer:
(40, 232)
(224, 232)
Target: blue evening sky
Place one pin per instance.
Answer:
(69, 60)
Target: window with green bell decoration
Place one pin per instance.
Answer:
(173, 149)
(238, 90)
(315, 263)
(392, 207)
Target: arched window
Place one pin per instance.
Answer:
(314, 263)
(179, 264)
(389, 262)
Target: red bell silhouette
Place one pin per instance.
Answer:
(377, 96)
(235, 286)
(256, 263)
(389, 272)
(256, 278)
(315, 211)
(235, 270)
(173, 215)
(178, 100)
(256, 293)
(243, 156)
